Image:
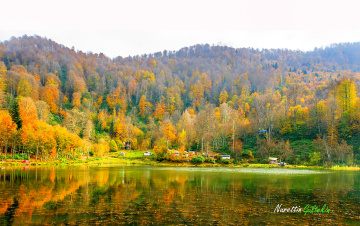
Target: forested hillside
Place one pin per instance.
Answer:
(301, 106)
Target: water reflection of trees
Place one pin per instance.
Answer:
(147, 196)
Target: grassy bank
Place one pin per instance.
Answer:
(348, 168)
(130, 158)
(138, 158)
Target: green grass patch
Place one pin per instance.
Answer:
(348, 168)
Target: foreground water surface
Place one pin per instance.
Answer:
(166, 195)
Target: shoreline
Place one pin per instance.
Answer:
(151, 162)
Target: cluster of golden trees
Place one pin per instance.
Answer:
(33, 136)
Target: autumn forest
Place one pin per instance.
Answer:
(60, 103)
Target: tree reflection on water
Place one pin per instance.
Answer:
(149, 195)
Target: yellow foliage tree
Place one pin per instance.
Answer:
(2, 77)
(169, 132)
(223, 97)
(142, 106)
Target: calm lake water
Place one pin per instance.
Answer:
(162, 196)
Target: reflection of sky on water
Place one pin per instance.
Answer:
(244, 170)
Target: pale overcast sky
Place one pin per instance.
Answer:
(134, 27)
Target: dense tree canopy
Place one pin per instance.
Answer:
(204, 98)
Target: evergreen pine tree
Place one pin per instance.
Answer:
(15, 113)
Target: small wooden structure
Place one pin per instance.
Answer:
(122, 153)
(173, 152)
(273, 160)
(147, 153)
(127, 145)
(225, 156)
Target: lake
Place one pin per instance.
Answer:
(168, 195)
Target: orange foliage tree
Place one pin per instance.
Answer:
(28, 112)
(7, 129)
(50, 94)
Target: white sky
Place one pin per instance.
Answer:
(142, 26)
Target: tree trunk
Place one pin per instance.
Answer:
(6, 148)
(88, 148)
(37, 151)
(202, 145)
(213, 148)
(233, 136)
(12, 150)
(207, 149)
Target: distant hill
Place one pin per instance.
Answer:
(190, 99)
(224, 67)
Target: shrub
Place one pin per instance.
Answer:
(119, 144)
(315, 158)
(226, 161)
(113, 146)
(247, 154)
(209, 160)
(23, 156)
(175, 158)
(198, 160)
(264, 161)
(160, 158)
(289, 160)
(219, 160)
(62, 159)
(101, 148)
(160, 149)
(252, 161)
(17, 156)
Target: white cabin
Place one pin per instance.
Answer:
(273, 160)
(225, 156)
